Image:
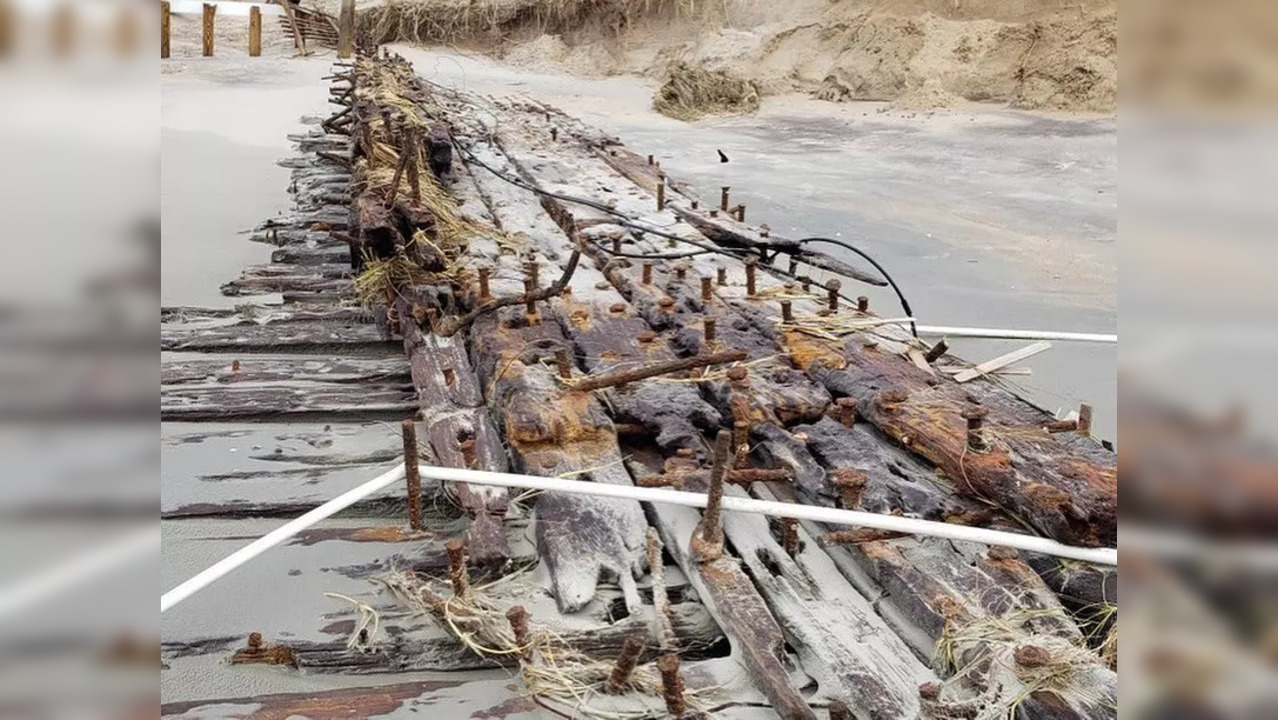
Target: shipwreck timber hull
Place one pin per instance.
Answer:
(539, 298)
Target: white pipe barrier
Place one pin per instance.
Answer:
(833, 516)
(998, 333)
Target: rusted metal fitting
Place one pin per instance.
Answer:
(707, 331)
(666, 303)
(530, 304)
(258, 653)
(723, 198)
(890, 401)
(1059, 426)
(618, 307)
(714, 213)
(787, 314)
(739, 376)
(651, 159)
(517, 616)
(646, 278)
(661, 195)
(619, 680)
(707, 541)
(790, 536)
(412, 475)
(741, 213)
(1032, 656)
(696, 204)
(839, 711)
(255, 640)
(851, 483)
(930, 690)
(564, 362)
(532, 270)
(975, 416)
(863, 304)
(846, 409)
(672, 684)
(458, 574)
(616, 244)
(1084, 419)
(707, 290)
(554, 133)
(646, 336)
(740, 442)
(484, 292)
(751, 269)
(721, 276)
(832, 294)
(937, 350)
(856, 537)
(681, 271)
(467, 449)
(806, 283)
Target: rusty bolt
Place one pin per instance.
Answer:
(532, 270)
(650, 159)
(851, 483)
(741, 213)
(564, 361)
(484, 293)
(707, 289)
(554, 133)
(723, 198)
(619, 680)
(616, 245)
(839, 711)
(975, 416)
(457, 572)
(790, 536)
(661, 196)
(832, 294)
(666, 302)
(738, 374)
(517, 616)
(255, 640)
(695, 204)
(681, 271)
(741, 439)
(530, 305)
(787, 314)
(619, 307)
(235, 365)
(672, 684)
(863, 304)
(847, 411)
(930, 690)
(646, 336)
(707, 330)
(751, 268)
(1032, 656)
(708, 539)
(807, 283)
(646, 279)
(714, 213)
(1084, 419)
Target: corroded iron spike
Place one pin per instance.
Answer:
(790, 536)
(787, 315)
(650, 159)
(807, 283)
(681, 271)
(484, 292)
(850, 482)
(975, 416)
(714, 213)
(707, 330)
(696, 204)
(517, 616)
(1084, 419)
(412, 475)
(856, 537)
(661, 196)
(616, 245)
(621, 377)
(847, 411)
(707, 289)
(1058, 426)
(554, 133)
(751, 268)
(863, 304)
(533, 270)
(619, 680)
(723, 198)
(832, 294)
(564, 362)
(721, 276)
(741, 441)
(647, 274)
(741, 213)
(672, 684)
(458, 574)
(530, 305)
(712, 530)
(937, 351)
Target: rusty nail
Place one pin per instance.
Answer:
(533, 269)
(863, 304)
(255, 640)
(839, 711)
(790, 536)
(626, 661)
(807, 283)
(975, 416)
(661, 195)
(671, 684)
(647, 274)
(450, 375)
(712, 527)
(564, 361)
(517, 616)
(721, 276)
(681, 271)
(832, 293)
(741, 213)
(457, 572)
(1084, 419)
(646, 336)
(850, 482)
(666, 302)
(1059, 426)
(483, 283)
(714, 213)
(467, 449)
(787, 315)
(412, 475)
(707, 289)
(554, 133)
(616, 245)
(741, 437)
(751, 266)
(650, 159)
(696, 204)
(530, 303)
(707, 330)
(723, 198)
(618, 307)
(937, 351)
(847, 411)
(738, 375)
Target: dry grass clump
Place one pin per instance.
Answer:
(692, 92)
(552, 671)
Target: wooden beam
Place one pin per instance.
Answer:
(210, 12)
(346, 29)
(990, 366)
(255, 31)
(165, 14)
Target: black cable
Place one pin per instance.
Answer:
(905, 304)
(646, 256)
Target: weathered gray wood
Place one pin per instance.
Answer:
(220, 402)
(274, 337)
(304, 368)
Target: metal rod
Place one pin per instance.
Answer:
(412, 474)
(620, 377)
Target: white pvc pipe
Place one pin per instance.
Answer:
(999, 333)
(277, 536)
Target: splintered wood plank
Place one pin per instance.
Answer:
(1001, 361)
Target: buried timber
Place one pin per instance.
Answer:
(543, 300)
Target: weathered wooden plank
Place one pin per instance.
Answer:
(273, 337)
(1001, 361)
(304, 368)
(189, 402)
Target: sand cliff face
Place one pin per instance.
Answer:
(918, 54)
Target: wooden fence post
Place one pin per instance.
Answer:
(209, 12)
(164, 28)
(255, 31)
(346, 29)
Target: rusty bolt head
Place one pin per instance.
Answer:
(975, 412)
(617, 307)
(647, 336)
(930, 690)
(847, 478)
(666, 302)
(255, 640)
(738, 374)
(1032, 656)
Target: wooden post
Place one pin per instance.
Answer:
(164, 28)
(346, 29)
(298, 40)
(209, 12)
(255, 31)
